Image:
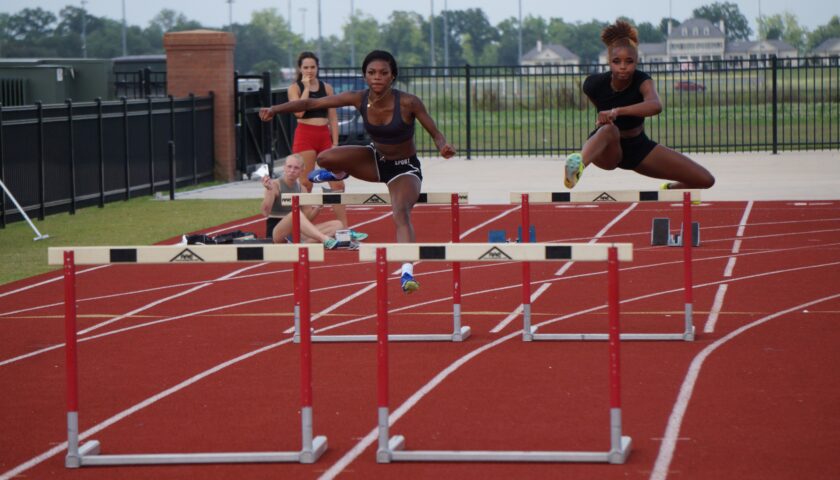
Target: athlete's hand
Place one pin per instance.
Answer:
(606, 117)
(447, 151)
(266, 114)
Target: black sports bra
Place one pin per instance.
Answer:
(322, 92)
(397, 131)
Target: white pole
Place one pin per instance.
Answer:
(39, 237)
(124, 43)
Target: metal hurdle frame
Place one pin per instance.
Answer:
(529, 333)
(459, 332)
(392, 449)
(88, 454)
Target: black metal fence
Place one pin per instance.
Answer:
(709, 106)
(56, 158)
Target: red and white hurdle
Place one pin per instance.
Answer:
(88, 454)
(459, 332)
(529, 333)
(392, 449)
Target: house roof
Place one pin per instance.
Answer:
(701, 24)
(549, 51)
(744, 46)
(828, 45)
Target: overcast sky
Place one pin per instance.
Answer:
(215, 13)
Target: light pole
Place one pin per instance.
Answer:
(520, 32)
(230, 15)
(84, 29)
(124, 44)
(319, 30)
(303, 23)
(432, 31)
(445, 36)
(289, 18)
(352, 33)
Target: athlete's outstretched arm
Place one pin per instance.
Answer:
(446, 150)
(332, 101)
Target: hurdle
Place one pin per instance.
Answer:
(529, 333)
(392, 449)
(454, 199)
(88, 454)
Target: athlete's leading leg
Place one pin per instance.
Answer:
(665, 163)
(602, 149)
(354, 160)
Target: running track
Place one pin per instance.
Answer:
(189, 358)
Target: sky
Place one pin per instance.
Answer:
(334, 13)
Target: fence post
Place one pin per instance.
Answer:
(147, 82)
(125, 148)
(2, 173)
(774, 62)
(151, 148)
(41, 154)
(192, 132)
(99, 133)
(469, 105)
(265, 101)
(72, 155)
(171, 145)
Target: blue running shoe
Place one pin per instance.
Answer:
(409, 284)
(357, 236)
(330, 243)
(321, 175)
(574, 169)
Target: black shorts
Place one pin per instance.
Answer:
(633, 150)
(270, 223)
(391, 169)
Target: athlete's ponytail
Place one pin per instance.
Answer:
(620, 34)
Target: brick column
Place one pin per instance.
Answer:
(200, 62)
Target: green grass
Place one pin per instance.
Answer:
(140, 221)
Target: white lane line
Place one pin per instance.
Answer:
(334, 306)
(672, 431)
(717, 306)
(600, 234)
(48, 281)
(534, 296)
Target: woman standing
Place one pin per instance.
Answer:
(317, 130)
(624, 96)
(389, 117)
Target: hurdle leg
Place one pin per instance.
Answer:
(619, 445)
(295, 267)
(74, 453)
(687, 245)
(459, 333)
(527, 331)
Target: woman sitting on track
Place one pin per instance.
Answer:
(388, 116)
(624, 96)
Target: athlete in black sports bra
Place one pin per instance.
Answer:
(389, 118)
(624, 96)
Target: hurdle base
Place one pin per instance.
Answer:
(396, 453)
(92, 458)
(684, 336)
(87, 449)
(462, 335)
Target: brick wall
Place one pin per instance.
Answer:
(200, 62)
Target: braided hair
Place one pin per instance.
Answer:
(620, 34)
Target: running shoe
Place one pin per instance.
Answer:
(330, 243)
(409, 284)
(574, 169)
(357, 236)
(320, 175)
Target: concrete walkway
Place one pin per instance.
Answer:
(742, 176)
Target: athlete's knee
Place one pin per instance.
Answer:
(327, 159)
(707, 181)
(610, 133)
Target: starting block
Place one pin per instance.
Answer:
(660, 233)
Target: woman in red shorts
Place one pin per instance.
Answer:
(317, 130)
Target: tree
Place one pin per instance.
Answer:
(403, 37)
(737, 27)
(366, 35)
(783, 27)
(471, 29)
(824, 32)
(663, 25)
(533, 29)
(648, 33)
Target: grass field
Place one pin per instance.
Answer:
(140, 221)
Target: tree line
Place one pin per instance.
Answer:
(267, 42)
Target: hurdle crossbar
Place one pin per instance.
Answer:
(392, 448)
(88, 454)
(686, 196)
(459, 332)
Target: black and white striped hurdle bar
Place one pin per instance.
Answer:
(496, 252)
(430, 198)
(185, 254)
(607, 196)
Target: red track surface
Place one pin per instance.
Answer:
(755, 397)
